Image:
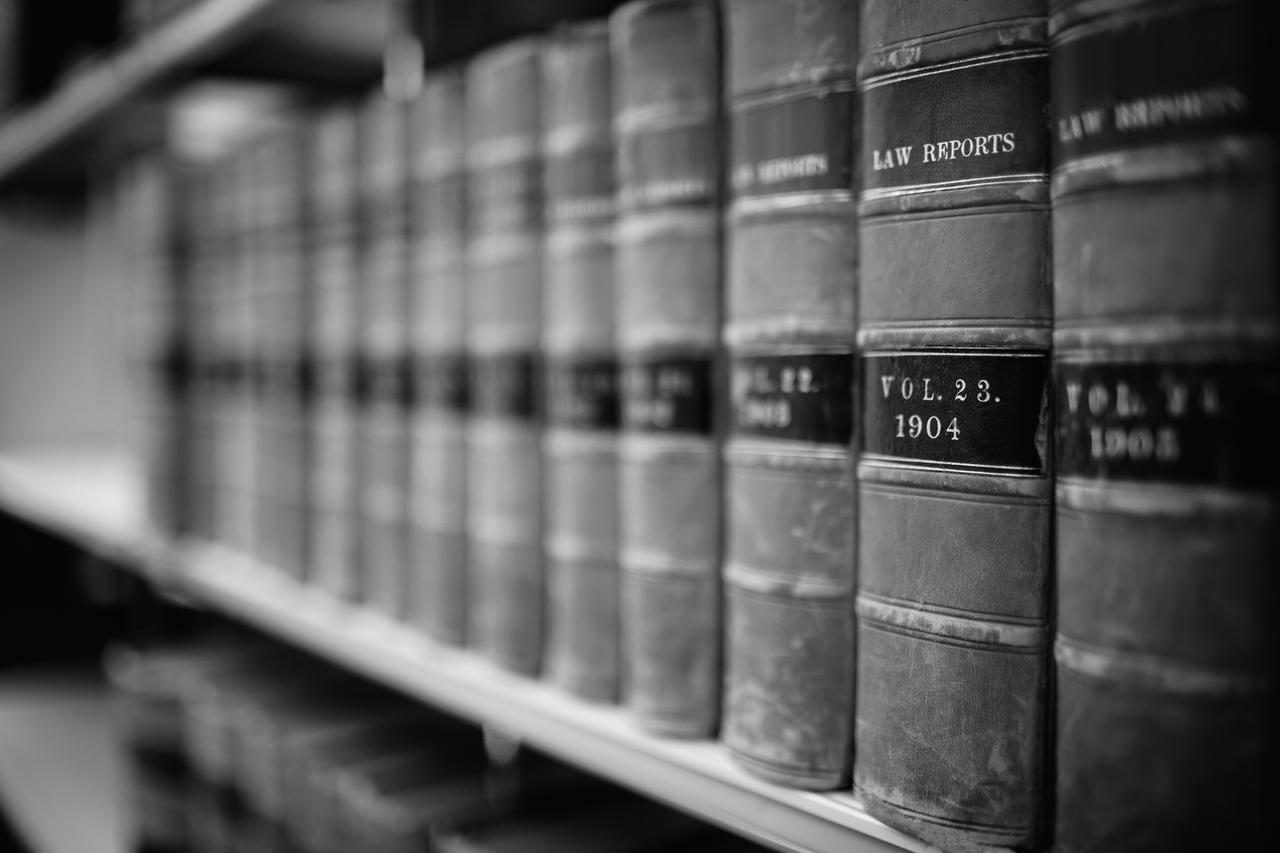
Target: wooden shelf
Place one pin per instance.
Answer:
(99, 504)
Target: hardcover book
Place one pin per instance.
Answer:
(666, 60)
(954, 472)
(789, 326)
(1167, 326)
(382, 311)
(331, 343)
(506, 584)
(580, 444)
(438, 492)
(282, 471)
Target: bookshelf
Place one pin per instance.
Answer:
(46, 143)
(93, 498)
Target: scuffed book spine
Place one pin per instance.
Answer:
(438, 492)
(505, 573)
(954, 471)
(666, 60)
(791, 254)
(281, 471)
(238, 293)
(383, 465)
(578, 344)
(1167, 326)
(202, 262)
(332, 169)
(137, 231)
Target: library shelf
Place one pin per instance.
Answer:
(107, 85)
(95, 499)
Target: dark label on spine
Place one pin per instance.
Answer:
(801, 144)
(668, 395)
(583, 393)
(580, 184)
(803, 397)
(442, 205)
(506, 197)
(973, 411)
(1175, 422)
(384, 379)
(978, 122)
(504, 385)
(670, 166)
(442, 382)
(1173, 75)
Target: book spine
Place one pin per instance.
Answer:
(506, 585)
(666, 58)
(202, 197)
(579, 351)
(241, 411)
(439, 489)
(283, 461)
(332, 344)
(1167, 326)
(383, 293)
(954, 488)
(791, 251)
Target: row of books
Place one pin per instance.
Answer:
(813, 375)
(237, 744)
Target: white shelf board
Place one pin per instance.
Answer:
(696, 776)
(89, 494)
(104, 85)
(95, 498)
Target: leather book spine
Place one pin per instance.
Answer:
(438, 578)
(505, 573)
(199, 254)
(579, 352)
(666, 59)
(281, 312)
(240, 506)
(791, 255)
(134, 235)
(954, 471)
(1166, 337)
(383, 293)
(332, 345)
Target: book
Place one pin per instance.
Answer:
(237, 288)
(579, 353)
(438, 568)
(505, 573)
(331, 342)
(666, 60)
(382, 311)
(790, 254)
(137, 230)
(954, 472)
(1167, 326)
(279, 157)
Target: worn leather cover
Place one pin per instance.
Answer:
(383, 311)
(1168, 324)
(437, 346)
(282, 312)
(954, 489)
(332, 343)
(581, 378)
(789, 327)
(506, 584)
(666, 59)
